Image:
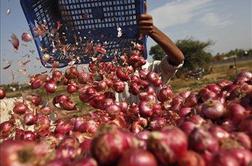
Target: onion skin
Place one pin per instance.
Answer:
(137, 157)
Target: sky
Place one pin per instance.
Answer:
(228, 23)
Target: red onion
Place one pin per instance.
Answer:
(71, 73)
(57, 75)
(64, 102)
(88, 126)
(168, 146)
(157, 123)
(137, 157)
(20, 108)
(224, 158)
(243, 156)
(164, 94)
(218, 132)
(19, 135)
(26, 37)
(119, 86)
(5, 129)
(101, 85)
(134, 88)
(87, 93)
(37, 83)
(213, 109)
(86, 162)
(246, 101)
(58, 162)
(145, 109)
(63, 127)
(119, 121)
(113, 109)
(243, 139)
(246, 126)
(154, 79)
(206, 94)
(83, 77)
(122, 74)
(201, 140)
(72, 88)
(196, 119)
(185, 111)
(124, 106)
(228, 125)
(236, 112)
(191, 100)
(191, 158)
(30, 119)
(45, 110)
(177, 103)
(214, 88)
(42, 124)
(144, 135)
(69, 141)
(2, 93)
(224, 83)
(143, 74)
(188, 127)
(29, 136)
(50, 86)
(68, 153)
(35, 99)
(15, 152)
(243, 77)
(98, 101)
(185, 94)
(107, 148)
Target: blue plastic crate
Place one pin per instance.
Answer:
(84, 24)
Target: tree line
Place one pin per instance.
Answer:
(196, 54)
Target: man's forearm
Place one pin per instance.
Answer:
(175, 56)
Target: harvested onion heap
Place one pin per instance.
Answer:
(212, 126)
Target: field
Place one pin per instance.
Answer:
(219, 72)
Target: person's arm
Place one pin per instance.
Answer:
(146, 27)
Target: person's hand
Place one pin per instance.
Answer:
(145, 23)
